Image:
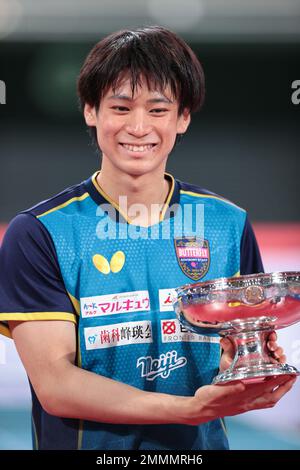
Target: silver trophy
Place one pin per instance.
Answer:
(246, 309)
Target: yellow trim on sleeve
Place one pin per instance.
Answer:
(39, 316)
(237, 274)
(5, 331)
(75, 303)
(79, 198)
(210, 196)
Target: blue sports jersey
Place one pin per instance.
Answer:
(73, 258)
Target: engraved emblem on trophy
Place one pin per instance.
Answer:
(246, 309)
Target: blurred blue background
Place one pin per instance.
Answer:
(244, 144)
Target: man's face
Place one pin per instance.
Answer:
(136, 133)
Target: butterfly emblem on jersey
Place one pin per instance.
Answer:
(193, 256)
(115, 265)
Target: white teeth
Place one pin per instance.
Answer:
(138, 148)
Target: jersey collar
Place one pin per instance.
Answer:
(100, 197)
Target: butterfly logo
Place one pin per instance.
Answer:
(115, 265)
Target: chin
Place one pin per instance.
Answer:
(139, 169)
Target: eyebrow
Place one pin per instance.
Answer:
(161, 99)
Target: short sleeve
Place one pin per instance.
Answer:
(251, 262)
(31, 284)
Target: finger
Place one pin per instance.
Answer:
(282, 359)
(278, 381)
(282, 390)
(278, 353)
(272, 336)
(270, 399)
(226, 344)
(272, 345)
(267, 386)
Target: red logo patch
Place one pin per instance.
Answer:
(169, 327)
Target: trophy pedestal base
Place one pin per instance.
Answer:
(253, 360)
(254, 374)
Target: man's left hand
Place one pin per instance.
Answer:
(229, 351)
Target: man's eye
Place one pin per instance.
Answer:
(158, 110)
(120, 108)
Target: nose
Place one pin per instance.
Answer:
(138, 123)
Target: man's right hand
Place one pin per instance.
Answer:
(214, 401)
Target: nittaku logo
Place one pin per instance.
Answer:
(161, 367)
(2, 92)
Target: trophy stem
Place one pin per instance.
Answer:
(253, 360)
(251, 349)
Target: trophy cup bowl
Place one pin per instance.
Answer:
(246, 309)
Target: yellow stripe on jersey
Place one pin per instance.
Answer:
(39, 316)
(211, 196)
(116, 206)
(166, 205)
(79, 198)
(75, 303)
(106, 196)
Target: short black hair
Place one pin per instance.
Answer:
(151, 52)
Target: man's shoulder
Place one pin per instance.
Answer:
(72, 193)
(192, 192)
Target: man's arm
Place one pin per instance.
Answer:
(48, 350)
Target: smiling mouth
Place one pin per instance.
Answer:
(138, 148)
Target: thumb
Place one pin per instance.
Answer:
(227, 346)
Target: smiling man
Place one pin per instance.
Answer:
(109, 365)
(136, 133)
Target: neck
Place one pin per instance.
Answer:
(149, 190)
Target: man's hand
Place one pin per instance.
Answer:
(228, 351)
(214, 401)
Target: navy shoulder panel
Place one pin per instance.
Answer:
(30, 277)
(251, 262)
(196, 189)
(76, 190)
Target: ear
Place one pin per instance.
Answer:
(90, 116)
(183, 121)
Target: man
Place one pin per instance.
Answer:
(87, 276)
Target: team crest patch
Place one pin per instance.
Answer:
(193, 256)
